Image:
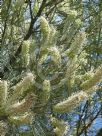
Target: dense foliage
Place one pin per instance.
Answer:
(50, 62)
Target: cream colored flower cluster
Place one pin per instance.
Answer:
(76, 45)
(3, 92)
(46, 90)
(45, 28)
(61, 127)
(17, 111)
(48, 33)
(70, 103)
(3, 128)
(21, 87)
(25, 53)
(97, 76)
(55, 53)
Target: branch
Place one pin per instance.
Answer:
(90, 123)
(34, 20)
(50, 3)
(30, 8)
(6, 19)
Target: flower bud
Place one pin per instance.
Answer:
(60, 126)
(54, 52)
(45, 29)
(25, 53)
(72, 14)
(45, 95)
(3, 92)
